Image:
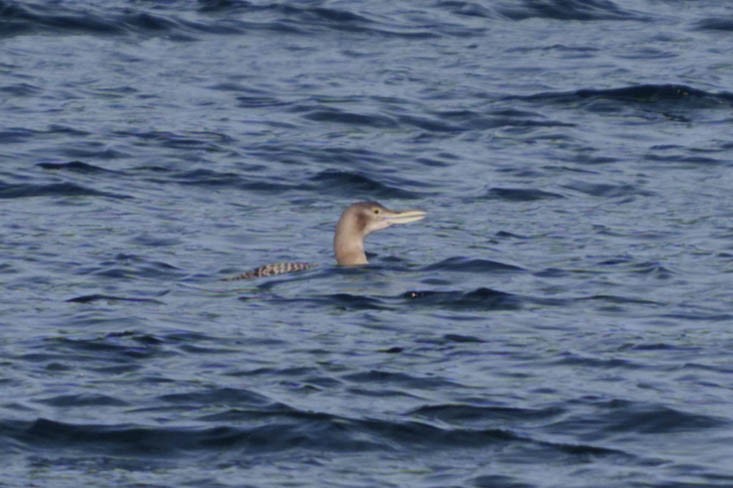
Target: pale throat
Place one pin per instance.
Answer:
(348, 244)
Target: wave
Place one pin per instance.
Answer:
(520, 194)
(472, 266)
(681, 96)
(131, 266)
(607, 190)
(216, 17)
(578, 10)
(96, 297)
(716, 24)
(76, 167)
(612, 417)
(33, 18)
(456, 413)
(479, 299)
(28, 190)
(278, 431)
(349, 183)
(327, 114)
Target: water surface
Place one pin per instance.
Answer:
(561, 318)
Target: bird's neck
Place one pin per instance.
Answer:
(348, 245)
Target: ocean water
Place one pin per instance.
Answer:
(561, 318)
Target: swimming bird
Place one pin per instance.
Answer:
(357, 221)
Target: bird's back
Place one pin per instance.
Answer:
(272, 270)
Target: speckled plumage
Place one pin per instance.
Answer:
(271, 270)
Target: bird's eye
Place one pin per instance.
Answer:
(376, 211)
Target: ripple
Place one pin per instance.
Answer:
(110, 299)
(351, 183)
(659, 97)
(76, 167)
(577, 10)
(472, 265)
(349, 118)
(28, 190)
(83, 400)
(478, 299)
(607, 190)
(520, 194)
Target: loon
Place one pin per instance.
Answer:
(357, 221)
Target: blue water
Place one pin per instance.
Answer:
(562, 317)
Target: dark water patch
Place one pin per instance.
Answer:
(25, 19)
(209, 141)
(208, 177)
(716, 24)
(430, 124)
(472, 265)
(418, 435)
(462, 339)
(68, 20)
(552, 273)
(578, 360)
(19, 89)
(219, 396)
(333, 115)
(468, 9)
(479, 299)
(131, 266)
(211, 178)
(650, 347)
(57, 129)
(383, 378)
(652, 268)
(27, 190)
(423, 436)
(684, 159)
(618, 416)
(699, 316)
(83, 400)
(122, 439)
(76, 167)
(346, 301)
(16, 135)
(227, 6)
(155, 240)
(580, 49)
(324, 433)
(471, 120)
(350, 156)
(659, 98)
(340, 301)
(120, 348)
(91, 150)
(112, 92)
(578, 10)
(502, 234)
(464, 413)
(520, 194)
(619, 300)
(352, 183)
(258, 101)
(315, 19)
(608, 190)
(498, 481)
(111, 299)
